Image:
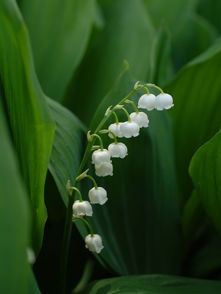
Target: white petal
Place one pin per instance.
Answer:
(164, 101)
(94, 243)
(129, 129)
(118, 150)
(140, 118)
(97, 195)
(115, 128)
(100, 156)
(104, 169)
(147, 101)
(81, 208)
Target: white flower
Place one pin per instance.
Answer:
(97, 195)
(30, 255)
(129, 129)
(81, 208)
(115, 128)
(164, 101)
(100, 156)
(94, 243)
(118, 150)
(140, 118)
(104, 169)
(147, 101)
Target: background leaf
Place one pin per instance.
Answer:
(30, 121)
(205, 170)
(196, 90)
(154, 284)
(67, 147)
(14, 219)
(127, 35)
(59, 39)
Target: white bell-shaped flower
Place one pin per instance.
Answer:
(30, 255)
(118, 150)
(147, 101)
(94, 243)
(100, 156)
(164, 101)
(129, 129)
(140, 118)
(115, 128)
(104, 169)
(81, 208)
(97, 195)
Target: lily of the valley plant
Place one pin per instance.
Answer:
(101, 156)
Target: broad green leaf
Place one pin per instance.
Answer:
(140, 222)
(59, 34)
(67, 147)
(31, 125)
(161, 66)
(14, 219)
(190, 33)
(171, 13)
(205, 170)
(195, 36)
(196, 90)
(206, 260)
(192, 217)
(127, 35)
(211, 11)
(154, 284)
(33, 287)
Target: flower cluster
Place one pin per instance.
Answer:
(102, 157)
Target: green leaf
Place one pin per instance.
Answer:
(128, 35)
(33, 287)
(211, 11)
(14, 219)
(170, 12)
(59, 40)
(140, 222)
(195, 36)
(196, 90)
(67, 147)
(205, 170)
(154, 284)
(31, 124)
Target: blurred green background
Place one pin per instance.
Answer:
(62, 63)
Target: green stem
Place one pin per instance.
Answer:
(66, 244)
(99, 138)
(156, 87)
(133, 104)
(68, 220)
(127, 113)
(78, 192)
(114, 136)
(86, 223)
(85, 277)
(92, 179)
(115, 117)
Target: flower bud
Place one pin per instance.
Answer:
(140, 118)
(94, 243)
(147, 101)
(97, 195)
(129, 129)
(104, 169)
(115, 128)
(118, 150)
(164, 101)
(100, 156)
(81, 208)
